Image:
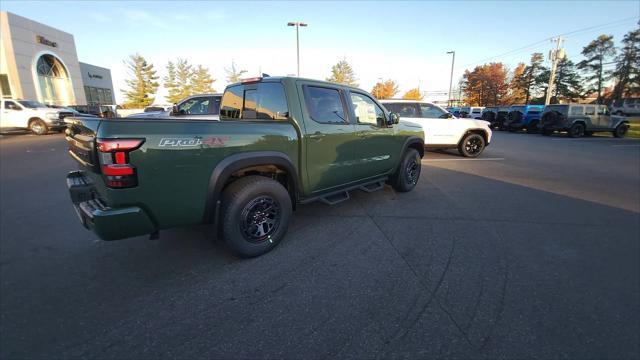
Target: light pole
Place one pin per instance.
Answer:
(297, 25)
(453, 60)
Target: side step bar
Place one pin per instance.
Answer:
(343, 195)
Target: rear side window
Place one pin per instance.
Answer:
(589, 110)
(577, 110)
(406, 110)
(262, 101)
(324, 104)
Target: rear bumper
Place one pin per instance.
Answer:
(108, 223)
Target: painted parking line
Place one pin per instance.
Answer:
(631, 145)
(483, 159)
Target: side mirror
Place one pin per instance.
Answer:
(446, 116)
(393, 118)
(174, 110)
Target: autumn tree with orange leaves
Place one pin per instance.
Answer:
(413, 94)
(385, 90)
(486, 85)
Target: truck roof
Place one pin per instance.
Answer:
(291, 78)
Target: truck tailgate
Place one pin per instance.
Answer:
(81, 135)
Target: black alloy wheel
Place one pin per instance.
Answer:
(260, 218)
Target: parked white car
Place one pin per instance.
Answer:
(441, 129)
(628, 107)
(31, 115)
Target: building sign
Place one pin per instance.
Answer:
(44, 41)
(94, 76)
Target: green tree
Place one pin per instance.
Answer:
(184, 78)
(596, 53)
(517, 88)
(568, 82)
(533, 76)
(413, 94)
(627, 71)
(385, 90)
(342, 73)
(142, 83)
(202, 81)
(171, 84)
(233, 74)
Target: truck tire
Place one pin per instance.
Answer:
(256, 211)
(576, 130)
(621, 130)
(408, 173)
(38, 127)
(547, 132)
(532, 128)
(471, 145)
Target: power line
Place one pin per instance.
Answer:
(595, 27)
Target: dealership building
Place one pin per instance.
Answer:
(38, 62)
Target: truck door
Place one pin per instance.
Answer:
(329, 137)
(376, 150)
(604, 118)
(439, 128)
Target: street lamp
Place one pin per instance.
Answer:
(381, 81)
(453, 60)
(297, 25)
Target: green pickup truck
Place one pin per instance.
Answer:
(279, 142)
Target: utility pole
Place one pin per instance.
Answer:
(453, 60)
(297, 25)
(554, 56)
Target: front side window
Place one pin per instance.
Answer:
(264, 101)
(589, 110)
(577, 110)
(603, 110)
(366, 110)
(195, 106)
(11, 105)
(432, 112)
(324, 105)
(406, 110)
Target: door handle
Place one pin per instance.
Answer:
(316, 136)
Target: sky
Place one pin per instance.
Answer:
(403, 41)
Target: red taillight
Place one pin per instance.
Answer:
(109, 145)
(114, 159)
(118, 170)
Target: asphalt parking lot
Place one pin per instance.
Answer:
(531, 251)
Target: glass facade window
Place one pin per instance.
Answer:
(53, 79)
(96, 95)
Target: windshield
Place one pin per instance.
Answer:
(32, 104)
(465, 109)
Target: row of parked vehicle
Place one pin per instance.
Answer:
(576, 120)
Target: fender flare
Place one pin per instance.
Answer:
(413, 140)
(223, 170)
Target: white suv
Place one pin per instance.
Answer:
(441, 129)
(30, 115)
